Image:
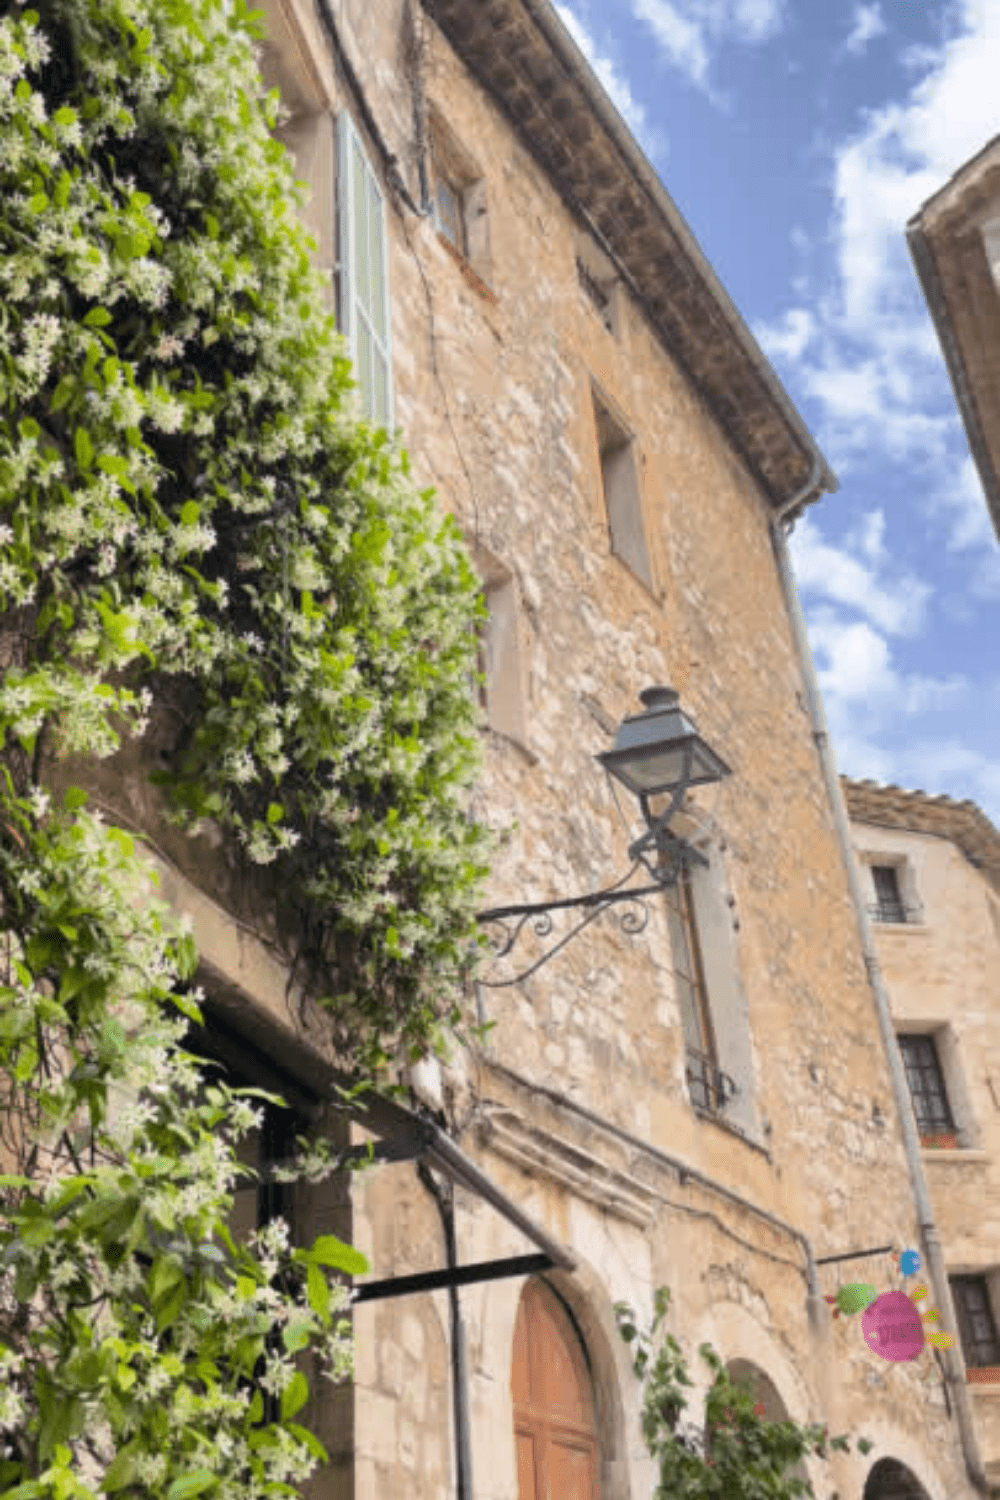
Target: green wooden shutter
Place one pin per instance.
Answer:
(364, 275)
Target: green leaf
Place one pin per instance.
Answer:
(73, 798)
(121, 1471)
(195, 1483)
(62, 393)
(295, 1338)
(294, 1396)
(329, 1251)
(98, 317)
(38, 202)
(318, 1289)
(169, 1309)
(190, 511)
(11, 1180)
(275, 812)
(113, 464)
(64, 116)
(309, 1441)
(29, 428)
(83, 448)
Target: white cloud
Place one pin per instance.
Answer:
(687, 30)
(681, 38)
(868, 24)
(951, 767)
(788, 338)
(893, 602)
(617, 86)
(872, 361)
(962, 505)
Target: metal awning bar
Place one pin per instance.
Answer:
(828, 1260)
(446, 1156)
(432, 1281)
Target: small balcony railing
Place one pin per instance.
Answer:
(709, 1087)
(894, 912)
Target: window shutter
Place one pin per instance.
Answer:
(364, 275)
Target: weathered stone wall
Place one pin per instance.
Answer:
(941, 973)
(493, 390)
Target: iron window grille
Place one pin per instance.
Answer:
(976, 1323)
(598, 295)
(709, 1088)
(927, 1090)
(889, 905)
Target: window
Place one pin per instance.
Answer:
(364, 286)
(503, 649)
(927, 1090)
(459, 193)
(557, 1450)
(622, 495)
(888, 900)
(704, 1082)
(449, 211)
(976, 1323)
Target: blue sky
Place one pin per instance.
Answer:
(797, 137)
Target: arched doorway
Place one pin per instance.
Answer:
(557, 1450)
(891, 1480)
(765, 1394)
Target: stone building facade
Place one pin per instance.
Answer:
(705, 1105)
(955, 244)
(932, 867)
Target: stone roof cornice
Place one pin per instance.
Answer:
(962, 822)
(522, 54)
(946, 243)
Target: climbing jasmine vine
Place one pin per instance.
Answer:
(195, 528)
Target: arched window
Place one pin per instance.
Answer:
(890, 1480)
(557, 1451)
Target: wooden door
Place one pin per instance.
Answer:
(553, 1403)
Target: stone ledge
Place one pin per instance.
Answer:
(539, 1152)
(954, 1154)
(899, 929)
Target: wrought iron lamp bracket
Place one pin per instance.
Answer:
(675, 856)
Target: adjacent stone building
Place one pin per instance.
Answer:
(932, 867)
(955, 244)
(706, 1104)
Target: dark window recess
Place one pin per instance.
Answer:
(888, 905)
(976, 1323)
(258, 1200)
(927, 1090)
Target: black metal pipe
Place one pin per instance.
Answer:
(459, 1371)
(434, 1281)
(828, 1260)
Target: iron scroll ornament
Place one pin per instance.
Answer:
(510, 922)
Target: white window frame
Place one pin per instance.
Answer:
(352, 312)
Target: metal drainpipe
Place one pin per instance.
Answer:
(821, 735)
(459, 1366)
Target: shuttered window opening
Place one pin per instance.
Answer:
(364, 274)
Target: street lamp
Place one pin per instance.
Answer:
(656, 753)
